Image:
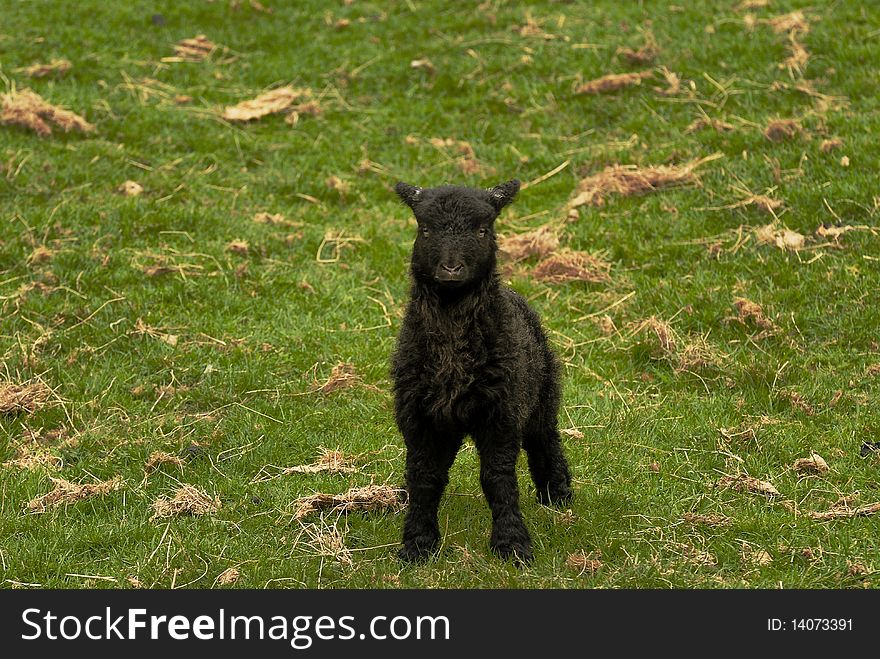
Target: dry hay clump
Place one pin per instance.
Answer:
(612, 82)
(187, 500)
(540, 242)
(159, 458)
(778, 130)
(330, 461)
(842, 510)
(745, 483)
(66, 492)
(34, 449)
(748, 311)
(56, 66)
(368, 499)
(684, 355)
(569, 265)
(707, 519)
(228, 577)
(29, 109)
(197, 49)
(829, 145)
(628, 180)
(795, 21)
(343, 376)
(815, 464)
(784, 238)
(645, 54)
(271, 102)
(24, 398)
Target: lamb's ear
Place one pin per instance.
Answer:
(503, 194)
(408, 193)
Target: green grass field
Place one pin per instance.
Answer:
(153, 331)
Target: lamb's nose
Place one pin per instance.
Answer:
(453, 270)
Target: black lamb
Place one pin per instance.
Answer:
(472, 359)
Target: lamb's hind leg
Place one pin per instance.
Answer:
(498, 453)
(547, 462)
(428, 460)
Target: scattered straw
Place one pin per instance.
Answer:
(197, 49)
(829, 145)
(540, 242)
(673, 83)
(744, 483)
(158, 458)
(698, 355)
(659, 330)
(332, 462)
(28, 109)
(584, 563)
(755, 556)
(187, 500)
(310, 108)
(708, 519)
(778, 130)
(568, 265)
(271, 102)
(746, 5)
(814, 464)
(843, 511)
(130, 189)
(798, 56)
(343, 376)
(632, 179)
(26, 398)
(66, 492)
(693, 555)
(612, 82)
(56, 66)
(368, 499)
(795, 21)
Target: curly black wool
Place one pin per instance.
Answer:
(472, 359)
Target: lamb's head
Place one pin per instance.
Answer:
(455, 245)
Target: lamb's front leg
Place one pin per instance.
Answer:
(498, 454)
(428, 459)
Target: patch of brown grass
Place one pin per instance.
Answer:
(698, 355)
(831, 144)
(798, 56)
(66, 492)
(271, 102)
(745, 483)
(540, 242)
(187, 500)
(568, 265)
(370, 498)
(28, 109)
(644, 54)
(25, 398)
(612, 82)
(797, 401)
(56, 66)
(673, 83)
(778, 130)
(240, 247)
(631, 180)
(661, 336)
(229, 576)
(795, 21)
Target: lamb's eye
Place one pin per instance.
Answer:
(481, 232)
(425, 232)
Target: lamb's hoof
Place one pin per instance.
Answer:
(419, 550)
(516, 547)
(555, 495)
